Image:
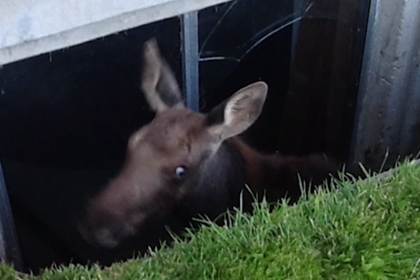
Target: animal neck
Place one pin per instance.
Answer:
(252, 164)
(276, 176)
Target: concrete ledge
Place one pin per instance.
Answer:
(32, 27)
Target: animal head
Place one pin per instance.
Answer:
(165, 158)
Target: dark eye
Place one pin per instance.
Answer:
(180, 171)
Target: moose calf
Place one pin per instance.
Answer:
(184, 164)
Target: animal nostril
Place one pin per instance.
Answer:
(118, 233)
(123, 231)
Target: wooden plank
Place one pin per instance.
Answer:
(32, 27)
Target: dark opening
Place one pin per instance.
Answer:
(65, 117)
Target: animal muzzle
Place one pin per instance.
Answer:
(106, 236)
(103, 227)
(120, 211)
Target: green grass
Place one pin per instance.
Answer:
(367, 232)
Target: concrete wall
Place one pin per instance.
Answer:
(32, 27)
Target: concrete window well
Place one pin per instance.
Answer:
(339, 83)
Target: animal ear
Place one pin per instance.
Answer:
(239, 112)
(158, 82)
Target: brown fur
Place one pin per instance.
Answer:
(277, 176)
(216, 165)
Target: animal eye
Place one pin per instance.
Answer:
(180, 171)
